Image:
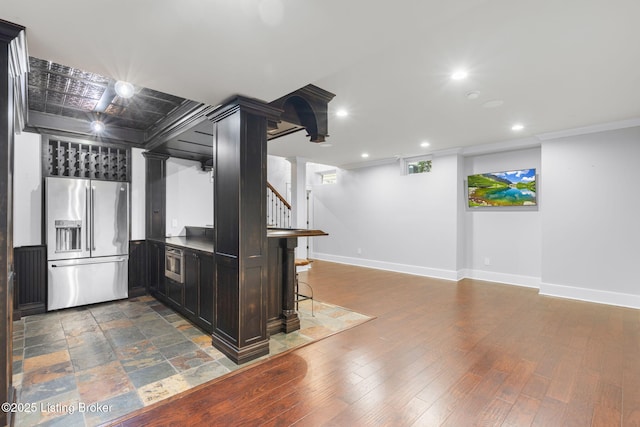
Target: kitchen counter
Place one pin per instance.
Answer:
(195, 243)
(205, 244)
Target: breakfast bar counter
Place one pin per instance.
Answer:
(280, 302)
(281, 313)
(205, 244)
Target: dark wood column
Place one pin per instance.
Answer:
(290, 319)
(240, 228)
(8, 32)
(281, 313)
(155, 194)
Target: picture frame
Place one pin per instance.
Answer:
(513, 188)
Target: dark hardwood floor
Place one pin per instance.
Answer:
(438, 353)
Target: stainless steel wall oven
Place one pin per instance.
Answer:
(174, 264)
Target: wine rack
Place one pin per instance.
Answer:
(85, 160)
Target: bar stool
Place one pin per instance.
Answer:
(300, 262)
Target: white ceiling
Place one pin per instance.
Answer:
(555, 64)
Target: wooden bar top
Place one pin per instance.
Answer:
(205, 244)
(294, 232)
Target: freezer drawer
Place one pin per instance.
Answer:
(86, 281)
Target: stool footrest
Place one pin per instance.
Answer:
(303, 296)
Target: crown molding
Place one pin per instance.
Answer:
(497, 147)
(367, 164)
(9, 31)
(602, 127)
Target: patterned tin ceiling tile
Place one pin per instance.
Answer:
(114, 110)
(60, 69)
(74, 102)
(95, 91)
(89, 104)
(36, 95)
(57, 83)
(37, 78)
(90, 77)
(73, 93)
(38, 63)
(76, 87)
(55, 98)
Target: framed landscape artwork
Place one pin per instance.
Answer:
(500, 189)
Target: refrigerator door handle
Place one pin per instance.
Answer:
(88, 263)
(93, 231)
(87, 226)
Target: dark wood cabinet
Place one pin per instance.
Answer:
(198, 288)
(191, 279)
(193, 298)
(175, 292)
(137, 268)
(155, 270)
(155, 193)
(30, 291)
(205, 289)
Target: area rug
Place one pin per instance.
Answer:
(89, 365)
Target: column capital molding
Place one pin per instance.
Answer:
(155, 156)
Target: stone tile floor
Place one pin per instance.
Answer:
(88, 365)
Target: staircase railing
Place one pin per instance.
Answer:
(278, 209)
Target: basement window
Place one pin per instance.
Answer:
(420, 166)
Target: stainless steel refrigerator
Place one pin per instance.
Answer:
(87, 223)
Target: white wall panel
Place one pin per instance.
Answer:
(27, 190)
(376, 215)
(189, 196)
(138, 172)
(503, 242)
(590, 226)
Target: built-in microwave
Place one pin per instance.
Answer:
(173, 264)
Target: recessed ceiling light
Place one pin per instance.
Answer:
(459, 75)
(494, 103)
(97, 126)
(124, 89)
(517, 127)
(364, 155)
(473, 95)
(424, 144)
(325, 144)
(342, 113)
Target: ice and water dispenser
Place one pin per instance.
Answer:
(68, 235)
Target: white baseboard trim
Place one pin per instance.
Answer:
(508, 279)
(389, 266)
(590, 295)
(548, 289)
